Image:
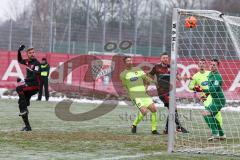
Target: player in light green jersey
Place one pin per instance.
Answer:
(133, 80)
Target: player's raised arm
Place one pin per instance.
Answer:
(19, 56)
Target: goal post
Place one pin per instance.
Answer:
(215, 35)
(173, 71)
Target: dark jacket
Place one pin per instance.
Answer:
(32, 69)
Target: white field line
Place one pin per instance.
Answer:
(140, 155)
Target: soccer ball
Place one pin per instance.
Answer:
(191, 22)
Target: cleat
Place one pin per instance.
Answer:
(156, 132)
(178, 130)
(134, 129)
(165, 132)
(182, 129)
(222, 138)
(26, 129)
(213, 137)
(23, 113)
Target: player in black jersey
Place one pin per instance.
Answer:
(162, 72)
(29, 86)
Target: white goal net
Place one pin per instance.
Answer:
(215, 36)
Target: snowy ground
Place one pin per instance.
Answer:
(90, 101)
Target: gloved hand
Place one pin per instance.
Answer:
(21, 48)
(198, 89)
(19, 80)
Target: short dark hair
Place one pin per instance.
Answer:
(44, 59)
(126, 57)
(164, 54)
(215, 60)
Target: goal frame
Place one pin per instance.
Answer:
(173, 68)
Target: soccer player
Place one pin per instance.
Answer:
(201, 79)
(217, 103)
(133, 80)
(29, 86)
(162, 72)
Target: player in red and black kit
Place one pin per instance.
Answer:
(162, 72)
(29, 86)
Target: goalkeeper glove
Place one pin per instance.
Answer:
(198, 89)
(19, 79)
(21, 48)
(20, 82)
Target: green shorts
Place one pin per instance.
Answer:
(145, 101)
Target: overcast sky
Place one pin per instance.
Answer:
(9, 8)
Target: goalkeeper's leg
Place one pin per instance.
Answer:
(219, 118)
(210, 117)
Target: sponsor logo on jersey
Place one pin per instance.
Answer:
(134, 79)
(216, 82)
(205, 83)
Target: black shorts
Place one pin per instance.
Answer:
(165, 99)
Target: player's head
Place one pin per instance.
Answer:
(214, 65)
(202, 64)
(164, 58)
(30, 53)
(127, 61)
(44, 60)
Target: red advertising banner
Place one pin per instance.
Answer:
(85, 73)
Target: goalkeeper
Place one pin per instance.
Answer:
(201, 79)
(216, 103)
(133, 80)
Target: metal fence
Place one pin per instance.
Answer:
(149, 34)
(148, 28)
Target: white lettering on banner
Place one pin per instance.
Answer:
(60, 73)
(186, 71)
(236, 82)
(9, 72)
(69, 74)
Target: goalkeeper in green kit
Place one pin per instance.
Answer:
(133, 79)
(215, 101)
(201, 79)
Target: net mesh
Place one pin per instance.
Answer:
(211, 38)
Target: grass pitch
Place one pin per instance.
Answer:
(106, 137)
